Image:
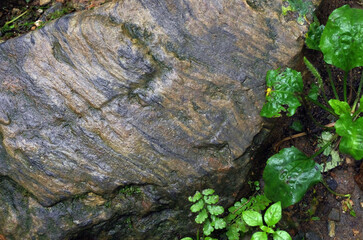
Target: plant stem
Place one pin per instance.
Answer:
(332, 83)
(358, 94)
(322, 106)
(345, 85)
(16, 18)
(335, 193)
(324, 147)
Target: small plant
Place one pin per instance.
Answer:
(272, 217)
(130, 190)
(302, 7)
(290, 173)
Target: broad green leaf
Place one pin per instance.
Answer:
(211, 199)
(352, 135)
(281, 235)
(252, 218)
(208, 191)
(233, 233)
(207, 228)
(360, 109)
(339, 107)
(209, 238)
(288, 175)
(215, 210)
(266, 229)
(196, 207)
(196, 197)
(202, 216)
(314, 92)
(313, 36)
(284, 87)
(273, 214)
(259, 236)
(187, 238)
(342, 38)
(219, 223)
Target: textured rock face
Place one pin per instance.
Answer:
(110, 118)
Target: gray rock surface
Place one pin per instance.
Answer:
(110, 118)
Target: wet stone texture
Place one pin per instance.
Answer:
(110, 118)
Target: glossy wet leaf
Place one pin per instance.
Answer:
(187, 238)
(281, 235)
(339, 107)
(196, 197)
(273, 214)
(342, 38)
(252, 218)
(259, 236)
(284, 87)
(313, 36)
(215, 210)
(352, 135)
(196, 207)
(288, 175)
(266, 229)
(201, 217)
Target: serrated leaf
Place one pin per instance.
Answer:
(273, 214)
(339, 107)
(202, 216)
(260, 203)
(196, 197)
(211, 199)
(342, 38)
(207, 228)
(284, 87)
(352, 135)
(314, 92)
(196, 207)
(288, 175)
(219, 223)
(207, 192)
(215, 210)
(313, 36)
(281, 235)
(259, 236)
(233, 233)
(266, 229)
(252, 218)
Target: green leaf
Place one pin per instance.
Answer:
(297, 126)
(267, 229)
(219, 223)
(260, 202)
(252, 218)
(211, 199)
(196, 197)
(281, 235)
(207, 228)
(233, 233)
(360, 109)
(259, 236)
(208, 192)
(273, 214)
(339, 107)
(288, 175)
(342, 38)
(201, 217)
(352, 135)
(284, 87)
(215, 210)
(314, 92)
(209, 238)
(196, 207)
(187, 238)
(300, 6)
(313, 35)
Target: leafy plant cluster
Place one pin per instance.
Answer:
(241, 217)
(289, 173)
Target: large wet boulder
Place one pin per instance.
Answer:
(110, 118)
